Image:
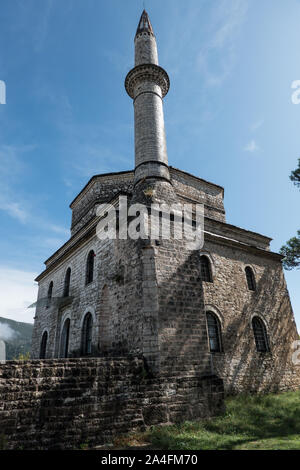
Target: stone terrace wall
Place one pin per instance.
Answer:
(63, 403)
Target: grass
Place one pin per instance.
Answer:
(256, 422)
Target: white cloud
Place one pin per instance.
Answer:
(14, 209)
(52, 243)
(56, 229)
(42, 26)
(6, 333)
(251, 147)
(11, 167)
(17, 291)
(256, 125)
(218, 56)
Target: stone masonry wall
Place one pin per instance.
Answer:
(116, 289)
(104, 187)
(183, 298)
(147, 298)
(101, 189)
(62, 404)
(182, 324)
(83, 298)
(120, 270)
(188, 188)
(145, 49)
(242, 368)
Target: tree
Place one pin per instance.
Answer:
(291, 251)
(295, 175)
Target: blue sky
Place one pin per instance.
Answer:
(229, 115)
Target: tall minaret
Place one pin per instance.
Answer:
(147, 83)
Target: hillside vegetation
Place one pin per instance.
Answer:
(17, 337)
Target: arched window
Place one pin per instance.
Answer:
(44, 345)
(49, 295)
(260, 335)
(64, 343)
(50, 290)
(90, 267)
(87, 330)
(250, 278)
(214, 332)
(205, 269)
(67, 283)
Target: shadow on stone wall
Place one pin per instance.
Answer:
(182, 323)
(241, 366)
(67, 403)
(183, 333)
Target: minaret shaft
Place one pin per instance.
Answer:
(145, 49)
(147, 84)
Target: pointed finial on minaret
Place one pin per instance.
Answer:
(145, 42)
(144, 24)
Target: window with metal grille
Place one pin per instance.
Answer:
(90, 267)
(250, 278)
(205, 269)
(44, 345)
(87, 330)
(214, 332)
(260, 335)
(64, 344)
(67, 283)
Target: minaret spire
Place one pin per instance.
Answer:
(144, 24)
(147, 84)
(145, 42)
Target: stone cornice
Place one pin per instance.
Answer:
(129, 174)
(116, 175)
(74, 242)
(218, 239)
(197, 178)
(237, 230)
(89, 231)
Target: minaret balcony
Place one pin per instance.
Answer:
(147, 72)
